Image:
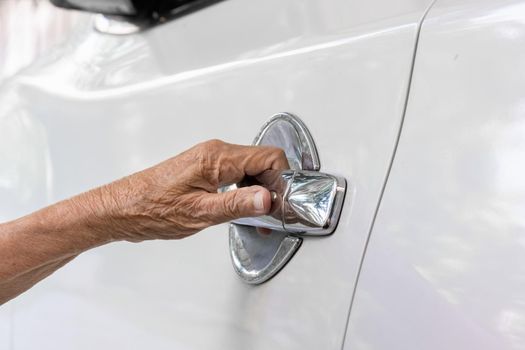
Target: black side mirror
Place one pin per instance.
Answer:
(140, 9)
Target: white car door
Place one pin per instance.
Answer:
(447, 244)
(103, 106)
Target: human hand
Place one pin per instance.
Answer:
(178, 197)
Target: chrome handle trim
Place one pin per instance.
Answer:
(305, 202)
(258, 260)
(308, 203)
(295, 134)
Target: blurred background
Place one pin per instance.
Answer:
(29, 28)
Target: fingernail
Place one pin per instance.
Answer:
(258, 202)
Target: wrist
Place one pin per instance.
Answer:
(112, 212)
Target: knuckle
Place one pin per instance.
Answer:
(206, 148)
(212, 145)
(279, 153)
(208, 157)
(275, 151)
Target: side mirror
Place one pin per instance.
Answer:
(139, 9)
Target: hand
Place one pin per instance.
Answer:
(178, 197)
(173, 199)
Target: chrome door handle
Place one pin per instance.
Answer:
(303, 202)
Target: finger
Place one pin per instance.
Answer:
(237, 161)
(257, 159)
(239, 203)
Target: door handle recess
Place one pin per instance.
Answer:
(303, 202)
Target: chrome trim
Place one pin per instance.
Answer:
(313, 203)
(305, 202)
(298, 135)
(258, 258)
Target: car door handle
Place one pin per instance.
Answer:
(303, 202)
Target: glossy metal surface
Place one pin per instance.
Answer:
(288, 132)
(303, 201)
(445, 267)
(255, 266)
(306, 202)
(312, 203)
(256, 257)
(104, 106)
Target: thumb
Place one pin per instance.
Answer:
(242, 202)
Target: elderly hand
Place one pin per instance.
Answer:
(178, 197)
(173, 199)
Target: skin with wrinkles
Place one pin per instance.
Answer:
(171, 200)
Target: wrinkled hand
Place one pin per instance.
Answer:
(178, 197)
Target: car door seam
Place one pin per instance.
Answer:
(392, 158)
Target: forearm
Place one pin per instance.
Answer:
(34, 246)
(172, 200)
(17, 285)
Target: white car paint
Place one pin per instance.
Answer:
(104, 106)
(5, 327)
(445, 267)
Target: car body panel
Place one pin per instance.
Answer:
(5, 327)
(102, 107)
(445, 265)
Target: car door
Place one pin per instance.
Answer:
(448, 239)
(103, 106)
